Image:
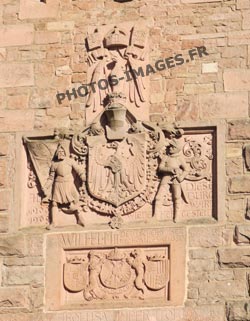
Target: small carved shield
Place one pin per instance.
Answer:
(75, 276)
(156, 274)
(117, 169)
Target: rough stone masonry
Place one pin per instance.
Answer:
(156, 169)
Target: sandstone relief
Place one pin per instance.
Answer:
(118, 166)
(115, 268)
(120, 274)
(113, 52)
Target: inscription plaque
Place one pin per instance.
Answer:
(115, 269)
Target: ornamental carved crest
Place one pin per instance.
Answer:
(117, 274)
(118, 165)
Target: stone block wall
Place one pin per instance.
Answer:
(42, 52)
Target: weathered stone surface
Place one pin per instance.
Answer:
(238, 310)
(237, 257)
(4, 223)
(24, 261)
(16, 120)
(221, 275)
(187, 108)
(61, 25)
(204, 265)
(202, 313)
(239, 184)
(38, 9)
(234, 150)
(236, 80)
(19, 101)
(12, 245)
(34, 244)
(238, 38)
(37, 297)
(234, 166)
(242, 234)
(20, 317)
(22, 275)
(47, 37)
(202, 253)
(236, 208)
(15, 35)
(16, 75)
(13, 298)
(215, 291)
(191, 89)
(205, 237)
(239, 129)
(222, 105)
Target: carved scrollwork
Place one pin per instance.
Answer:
(198, 156)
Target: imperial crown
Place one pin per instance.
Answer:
(117, 38)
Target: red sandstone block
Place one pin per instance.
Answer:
(12, 245)
(222, 105)
(236, 80)
(243, 4)
(238, 38)
(16, 35)
(198, 88)
(47, 37)
(19, 101)
(23, 275)
(217, 290)
(38, 9)
(205, 237)
(15, 75)
(187, 108)
(238, 257)
(234, 52)
(16, 120)
(239, 184)
(239, 129)
(13, 298)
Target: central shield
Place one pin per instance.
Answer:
(117, 169)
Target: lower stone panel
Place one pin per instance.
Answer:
(112, 269)
(204, 313)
